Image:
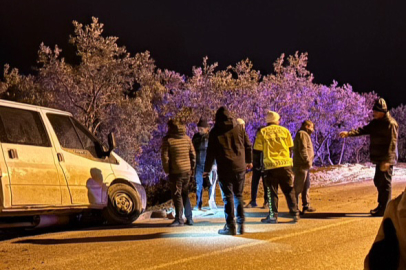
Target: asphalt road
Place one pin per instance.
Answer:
(337, 236)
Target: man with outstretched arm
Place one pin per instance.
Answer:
(383, 132)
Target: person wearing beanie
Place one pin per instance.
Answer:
(200, 142)
(303, 155)
(274, 141)
(241, 122)
(383, 149)
(178, 160)
(230, 146)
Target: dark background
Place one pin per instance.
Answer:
(357, 42)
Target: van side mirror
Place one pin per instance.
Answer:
(112, 143)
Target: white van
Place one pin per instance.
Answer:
(51, 165)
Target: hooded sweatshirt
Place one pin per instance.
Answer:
(229, 145)
(384, 136)
(303, 152)
(390, 239)
(177, 153)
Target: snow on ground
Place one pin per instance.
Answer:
(348, 173)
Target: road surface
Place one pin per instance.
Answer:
(337, 236)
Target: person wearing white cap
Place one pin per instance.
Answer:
(274, 141)
(241, 122)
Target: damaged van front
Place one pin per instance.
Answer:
(52, 165)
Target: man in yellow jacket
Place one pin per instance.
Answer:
(274, 141)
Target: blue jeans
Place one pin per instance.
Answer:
(199, 185)
(232, 186)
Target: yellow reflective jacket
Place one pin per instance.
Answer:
(274, 141)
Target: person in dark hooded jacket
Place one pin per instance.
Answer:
(230, 146)
(179, 160)
(383, 132)
(200, 142)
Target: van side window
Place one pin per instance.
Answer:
(22, 127)
(89, 142)
(65, 131)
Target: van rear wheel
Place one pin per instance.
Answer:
(124, 205)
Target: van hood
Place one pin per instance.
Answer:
(123, 170)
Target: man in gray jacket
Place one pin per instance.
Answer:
(303, 155)
(383, 132)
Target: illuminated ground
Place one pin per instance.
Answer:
(338, 236)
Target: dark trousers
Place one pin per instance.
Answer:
(383, 183)
(179, 185)
(283, 177)
(302, 185)
(256, 176)
(232, 185)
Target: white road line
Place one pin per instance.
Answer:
(248, 245)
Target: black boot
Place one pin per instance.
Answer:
(240, 229)
(176, 223)
(228, 230)
(270, 219)
(378, 212)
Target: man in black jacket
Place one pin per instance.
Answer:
(230, 146)
(383, 131)
(257, 174)
(200, 142)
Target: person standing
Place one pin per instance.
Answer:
(178, 160)
(230, 146)
(274, 141)
(200, 142)
(383, 132)
(303, 155)
(257, 174)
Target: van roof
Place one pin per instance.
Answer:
(20, 105)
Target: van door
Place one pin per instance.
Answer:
(81, 158)
(29, 157)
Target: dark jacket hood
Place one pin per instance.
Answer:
(176, 129)
(224, 120)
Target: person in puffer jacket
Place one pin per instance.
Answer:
(389, 249)
(179, 160)
(383, 132)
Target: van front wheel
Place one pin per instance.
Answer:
(124, 205)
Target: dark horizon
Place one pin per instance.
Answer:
(359, 43)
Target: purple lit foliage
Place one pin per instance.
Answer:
(110, 89)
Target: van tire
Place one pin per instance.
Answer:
(124, 205)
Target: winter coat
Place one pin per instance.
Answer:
(229, 145)
(200, 143)
(274, 141)
(384, 136)
(177, 153)
(390, 243)
(303, 152)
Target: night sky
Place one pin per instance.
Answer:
(358, 42)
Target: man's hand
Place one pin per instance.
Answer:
(344, 134)
(205, 174)
(384, 166)
(249, 166)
